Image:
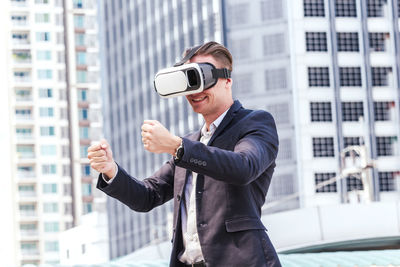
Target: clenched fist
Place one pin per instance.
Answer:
(101, 159)
(157, 139)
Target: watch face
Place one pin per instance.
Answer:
(179, 153)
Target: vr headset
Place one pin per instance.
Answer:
(186, 79)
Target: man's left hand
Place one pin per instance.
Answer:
(157, 139)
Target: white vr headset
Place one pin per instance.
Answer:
(186, 79)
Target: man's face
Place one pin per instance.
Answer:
(214, 100)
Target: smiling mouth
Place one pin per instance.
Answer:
(198, 99)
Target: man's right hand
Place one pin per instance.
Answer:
(101, 159)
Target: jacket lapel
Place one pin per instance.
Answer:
(227, 119)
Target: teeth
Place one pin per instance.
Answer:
(198, 99)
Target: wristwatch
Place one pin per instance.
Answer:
(179, 152)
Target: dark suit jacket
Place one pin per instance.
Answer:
(235, 171)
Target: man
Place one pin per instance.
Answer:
(218, 177)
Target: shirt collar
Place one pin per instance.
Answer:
(214, 125)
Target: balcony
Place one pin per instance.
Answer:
(19, 22)
(25, 155)
(28, 213)
(23, 117)
(22, 79)
(27, 194)
(26, 174)
(22, 58)
(24, 98)
(29, 234)
(20, 3)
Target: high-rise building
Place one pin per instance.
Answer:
(139, 38)
(53, 73)
(328, 71)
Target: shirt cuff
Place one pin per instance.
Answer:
(110, 180)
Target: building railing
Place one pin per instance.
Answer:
(26, 174)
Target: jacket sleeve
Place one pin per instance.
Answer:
(253, 153)
(141, 196)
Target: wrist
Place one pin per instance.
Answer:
(176, 144)
(111, 173)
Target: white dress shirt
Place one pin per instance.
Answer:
(192, 250)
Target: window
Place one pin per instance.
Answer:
(323, 177)
(82, 95)
(45, 92)
(83, 151)
(378, 40)
(78, 4)
(385, 145)
(285, 149)
(380, 76)
(26, 189)
(67, 189)
(50, 207)
(387, 181)
(351, 141)
(345, 8)
(67, 208)
(47, 131)
(41, 1)
(238, 14)
(49, 169)
(240, 48)
(271, 10)
(318, 76)
(86, 189)
(275, 79)
(49, 188)
(84, 132)
(87, 208)
(314, 8)
(353, 183)
(43, 55)
(81, 76)
(352, 111)
(51, 246)
(23, 132)
(42, 36)
(81, 58)
(280, 112)
(375, 8)
(316, 42)
(350, 76)
(46, 112)
(51, 227)
(79, 21)
(83, 113)
(48, 150)
(42, 18)
(66, 170)
(321, 111)
(65, 151)
(44, 74)
(23, 94)
(85, 169)
(382, 110)
(79, 39)
(323, 147)
(243, 83)
(347, 41)
(274, 44)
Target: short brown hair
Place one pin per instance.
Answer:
(217, 51)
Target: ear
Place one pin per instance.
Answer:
(228, 83)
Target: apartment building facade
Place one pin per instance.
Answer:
(54, 102)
